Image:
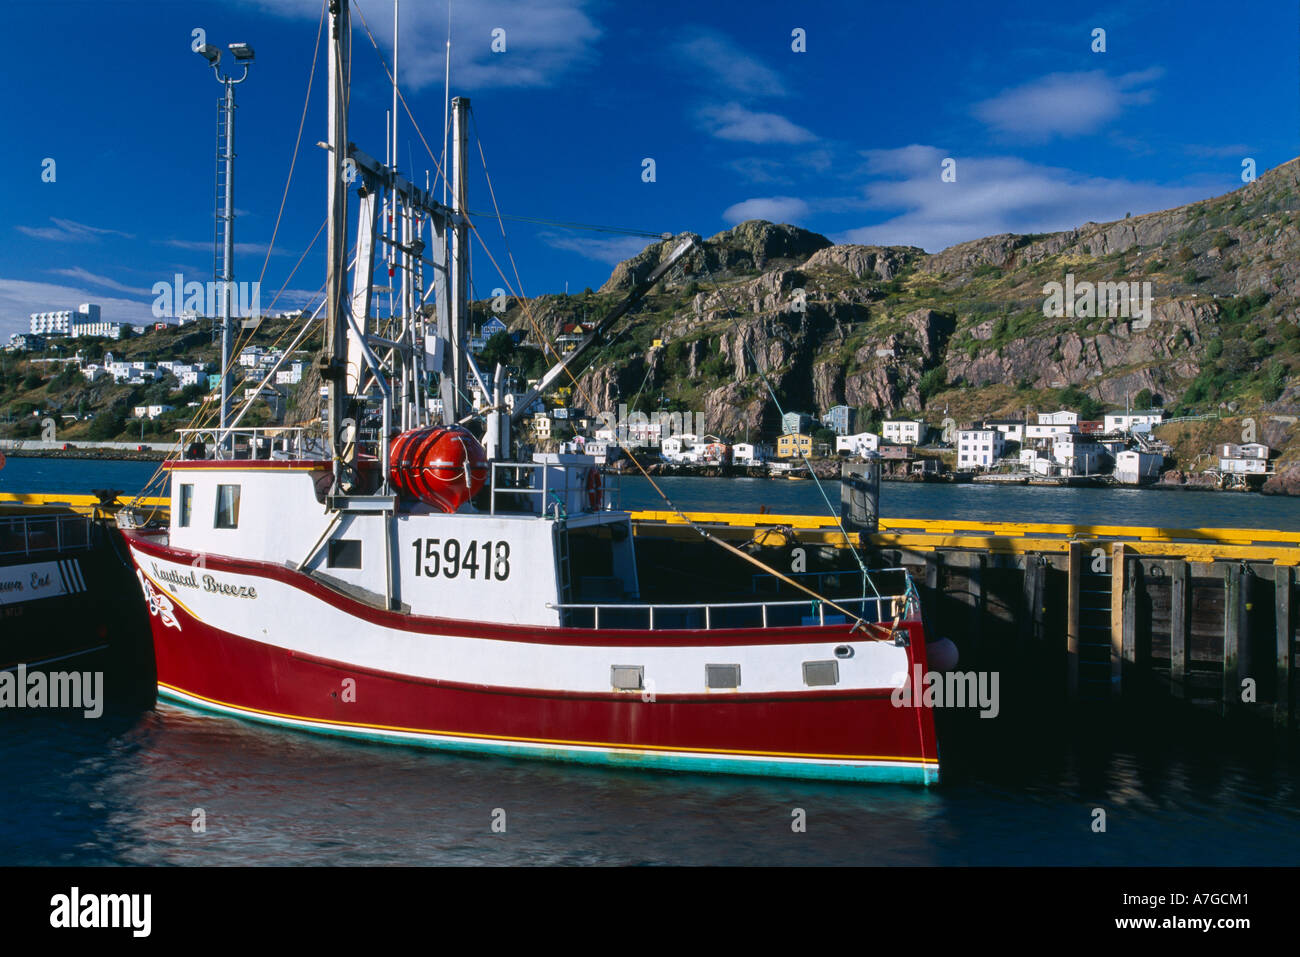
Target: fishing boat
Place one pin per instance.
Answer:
(63, 593)
(406, 574)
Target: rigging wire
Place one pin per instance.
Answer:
(866, 575)
(883, 632)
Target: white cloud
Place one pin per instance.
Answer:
(19, 298)
(775, 209)
(1065, 104)
(735, 122)
(993, 194)
(611, 251)
(544, 40)
(76, 272)
(66, 230)
(241, 249)
(715, 59)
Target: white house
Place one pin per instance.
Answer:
(1133, 421)
(1249, 457)
(901, 431)
(290, 373)
(1041, 432)
(1133, 467)
(1036, 462)
(151, 411)
(251, 356)
(676, 448)
(1078, 456)
(106, 330)
(857, 444)
(1013, 430)
(1059, 417)
(979, 448)
(748, 453)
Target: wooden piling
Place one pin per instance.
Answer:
(1120, 603)
(1180, 601)
(1233, 603)
(975, 580)
(1284, 661)
(1073, 617)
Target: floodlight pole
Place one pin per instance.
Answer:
(228, 238)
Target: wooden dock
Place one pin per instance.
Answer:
(1099, 612)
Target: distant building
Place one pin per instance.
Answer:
(151, 411)
(1013, 430)
(902, 431)
(794, 423)
(857, 444)
(979, 448)
(840, 419)
(1133, 467)
(746, 453)
(1249, 457)
(1078, 456)
(100, 330)
(794, 445)
(1133, 421)
(59, 322)
(26, 341)
(1060, 417)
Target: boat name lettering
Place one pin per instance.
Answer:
(221, 588)
(172, 577)
(450, 557)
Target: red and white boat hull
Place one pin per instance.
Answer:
(292, 652)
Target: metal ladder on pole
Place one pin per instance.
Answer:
(1095, 597)
(219, 205)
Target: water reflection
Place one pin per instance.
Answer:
(123, 791)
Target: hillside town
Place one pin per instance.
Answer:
(1058, 447)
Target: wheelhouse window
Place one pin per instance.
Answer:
(227, 506)
(185, 506)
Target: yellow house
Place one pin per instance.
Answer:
(794, 445)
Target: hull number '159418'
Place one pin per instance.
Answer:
(449, 557)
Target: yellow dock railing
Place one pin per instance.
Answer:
(910, 534)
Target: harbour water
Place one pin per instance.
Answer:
(127, 788)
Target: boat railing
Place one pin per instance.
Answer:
(28, 535)
(252, 442)
(711, 616)
(835, 580)
(551, 490)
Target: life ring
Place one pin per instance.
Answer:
(595, 490)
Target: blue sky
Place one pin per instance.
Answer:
(846, 138)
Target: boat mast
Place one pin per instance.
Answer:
(459, 259)
(334, 360)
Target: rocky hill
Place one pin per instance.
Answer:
(765, 316)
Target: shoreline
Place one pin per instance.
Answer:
(659, 470)
(103, 455)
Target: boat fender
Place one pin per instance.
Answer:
(595, 489)
(941, 654)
